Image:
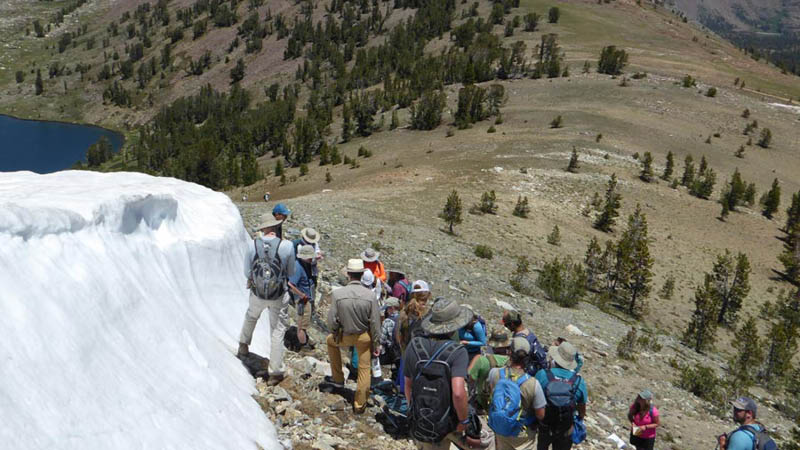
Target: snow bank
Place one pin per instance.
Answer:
(121, 299)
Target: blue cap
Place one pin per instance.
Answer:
(280, 208)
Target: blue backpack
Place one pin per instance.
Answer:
(761, 440)
(538, 354)
(506, 416)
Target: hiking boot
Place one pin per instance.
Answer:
(274, 380)
(361, 410)
(243, 351)
(329, 380)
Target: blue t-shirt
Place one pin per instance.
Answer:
(742, 439)
(476, 337)
(581, 395)
(300, 279)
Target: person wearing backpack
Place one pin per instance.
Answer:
(566, 394)
(434, 379)
(538, 357)
(495, 355)
(473, 334)
(301, 286)
(401, 286)
(271, 261)
(517, 401)
(644, 418)
(750, 435)
(354, 320)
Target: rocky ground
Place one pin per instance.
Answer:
(307, 418)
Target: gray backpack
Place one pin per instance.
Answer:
(267, 278)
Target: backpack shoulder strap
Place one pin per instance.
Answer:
(521, 380)
(550, 376)
(492, 361)
(751, 430)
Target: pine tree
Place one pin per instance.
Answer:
(592, 261)
(278, 168)
(39, 84)
(766, 138)
(521, 209)
(669, 167)
(237, 73)
(646, 174)
(347, 125)
(452, 211)
(554, 238)
(731, 285)
(688, 171)
(734, 192)
(634, 263)
(772, 200)
(793, 213)
(605, 222)
(782, 337)
(487, 205)
(328, 177)
(702, 329)
(743, 368)
(573, 162)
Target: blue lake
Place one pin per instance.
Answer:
(45, 147)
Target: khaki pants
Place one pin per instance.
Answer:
(278, 323)
(525, 441)
(363, 344)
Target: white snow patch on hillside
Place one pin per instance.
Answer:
(121, 299)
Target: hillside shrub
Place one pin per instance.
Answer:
(483, 251)
(711, 92)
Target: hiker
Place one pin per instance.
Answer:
(390, 350)
(495, 355)
(538, 356)
(271, 254)
(401, 286)
(517, 400)
(415, 309)
(438, 409)
(578, 356)
(370, 257)
(566, 394)
(473, 334)
(644, 419)
(310, 236)
(302, 287)
(750, 435)
(354, 320)
(370, 282)
(280, 212)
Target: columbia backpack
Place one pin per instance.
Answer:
(267, 278)
(537, 359)
(506, 416)
(761, 440)
(432, 415)
(560, 395)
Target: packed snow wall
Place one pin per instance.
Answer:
(121, 299)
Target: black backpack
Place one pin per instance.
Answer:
(761, 440)
(537, 359)
(432, 415)
(560, 395)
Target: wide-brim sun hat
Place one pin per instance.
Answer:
(354, 266)
(267, 221)
(309, 235)
(564, 355)
(646, 394)
(370, 255)
(499, 340)
(391, 301)
(306, 252)
(446, 316)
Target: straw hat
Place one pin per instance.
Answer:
(564, 355)
(309, 235)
